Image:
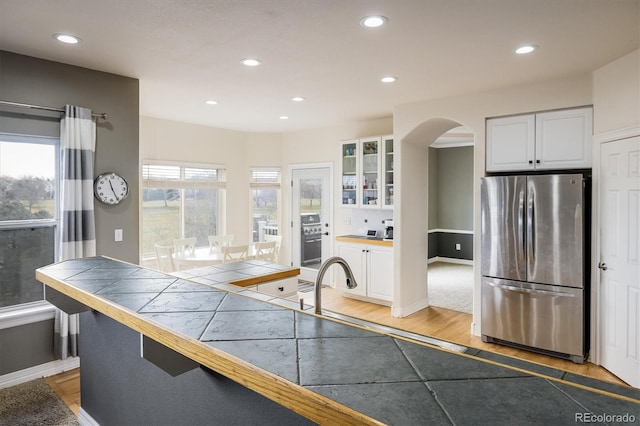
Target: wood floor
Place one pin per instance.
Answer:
(435, 322)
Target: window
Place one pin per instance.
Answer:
(28, 214)
(264, 185)
(180, 200)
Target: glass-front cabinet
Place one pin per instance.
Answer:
(387, 171)
(370, 160)
(350, 173)
(367, 172)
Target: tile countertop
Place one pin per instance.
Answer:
(328, 371)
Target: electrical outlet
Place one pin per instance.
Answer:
(458, 247)
(117, 235)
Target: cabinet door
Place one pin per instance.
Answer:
(387, 171)
(511, 143)
(370, 170)
(563, 139)
(380, 272)
(354, 255)
(350, 171)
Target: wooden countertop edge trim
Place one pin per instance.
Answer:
(260, 279)
(365, 241)
(305, 402)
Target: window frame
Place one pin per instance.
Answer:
(6, 225)
(181, 183)
(266, 184)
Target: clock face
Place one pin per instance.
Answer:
(110, 188)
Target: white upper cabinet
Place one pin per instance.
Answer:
(367, 172)
(545, 141)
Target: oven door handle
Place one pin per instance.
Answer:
(531, 291)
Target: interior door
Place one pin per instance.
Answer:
(620, 258)
(311, 193)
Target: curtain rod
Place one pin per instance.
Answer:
(102, 115)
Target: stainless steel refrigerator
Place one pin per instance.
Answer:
(534, 262)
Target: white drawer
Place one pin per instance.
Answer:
(280, 288)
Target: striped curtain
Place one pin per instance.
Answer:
(77, 230)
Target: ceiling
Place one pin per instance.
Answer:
(185, 52)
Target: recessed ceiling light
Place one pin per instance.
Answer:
(373, 21)
(297, 99)
(522, 50)
(388, 79)
(284, 117)
(67, 38)
(251, 62)
(211, 102)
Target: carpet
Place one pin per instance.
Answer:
(451, 286)
(33, 403)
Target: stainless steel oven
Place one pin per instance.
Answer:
(310, 239)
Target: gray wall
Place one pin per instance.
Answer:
(35, 81)
(451, 201)
(30, 80)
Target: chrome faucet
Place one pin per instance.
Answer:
(317, 287)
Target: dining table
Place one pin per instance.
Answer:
(203, 256)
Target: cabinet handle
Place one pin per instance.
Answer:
(530, 161)
(537, 161)
(281, 288)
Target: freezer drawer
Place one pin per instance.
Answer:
(541, 316)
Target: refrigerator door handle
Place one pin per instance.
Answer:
(521, 227)
(531, 228)
(530, 291)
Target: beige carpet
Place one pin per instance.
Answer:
(451, 286)
(33, 403)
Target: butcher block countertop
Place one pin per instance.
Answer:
(363, 239)
(328, 371)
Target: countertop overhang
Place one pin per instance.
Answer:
(363, 239)
(333, 372)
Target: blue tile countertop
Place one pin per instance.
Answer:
(329, 371)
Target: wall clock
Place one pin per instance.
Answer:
(110, 188)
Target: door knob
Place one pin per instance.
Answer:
(602, 266)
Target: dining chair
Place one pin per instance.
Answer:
(164, 258)
(266, 250)
(217, 242)
(234, 253)
(278, 240)
(185, 245)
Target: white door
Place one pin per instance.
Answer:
(620, 258)
(311, 193)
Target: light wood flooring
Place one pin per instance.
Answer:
(435, 322)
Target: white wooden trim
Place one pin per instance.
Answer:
(42, 370)
(613, 135)
(450, 231)
(85, 419)
(405, 311)
(450, 260)
(26, 314)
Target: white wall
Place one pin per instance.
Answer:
(175, 141)
(413, 135)
(616, 94)
(238, 151)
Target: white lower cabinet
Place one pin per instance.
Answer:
(372, 267)
(279, 288)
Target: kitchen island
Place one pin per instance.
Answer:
(161, 349)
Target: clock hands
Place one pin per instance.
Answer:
(114, 191)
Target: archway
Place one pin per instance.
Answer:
(410, 275)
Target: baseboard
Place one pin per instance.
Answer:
(450, 260)
(475, 329)
(84, 419)
(38, 371)
(408, 310)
